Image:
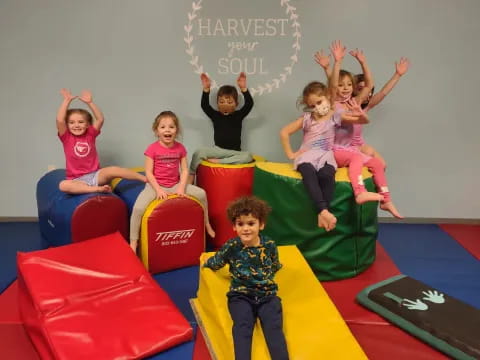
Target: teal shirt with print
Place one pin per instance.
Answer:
(252, 268)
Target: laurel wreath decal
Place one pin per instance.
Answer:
(266, 87)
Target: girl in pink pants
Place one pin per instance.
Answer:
(350, 149)
(346, 146)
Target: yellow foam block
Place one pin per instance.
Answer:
(312, 325)
(286, 169)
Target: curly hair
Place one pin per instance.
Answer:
(248, 205)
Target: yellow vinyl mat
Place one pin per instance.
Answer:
(312, 325)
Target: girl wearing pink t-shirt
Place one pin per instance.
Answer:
(348, 138)
(78, 131)
(167, 172)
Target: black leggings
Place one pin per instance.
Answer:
(320, 184)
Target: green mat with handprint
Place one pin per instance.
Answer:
(442, 321)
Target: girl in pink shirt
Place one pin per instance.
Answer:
(78, 131)
(167, 173)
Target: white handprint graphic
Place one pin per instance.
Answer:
(433, 296)
(414, 305)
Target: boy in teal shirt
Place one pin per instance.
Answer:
(253, 260)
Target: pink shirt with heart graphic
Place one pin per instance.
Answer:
(81, 156)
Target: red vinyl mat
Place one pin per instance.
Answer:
(9, 311)
(15, 344)
(466, 235)
(200, 350)
(378, 338)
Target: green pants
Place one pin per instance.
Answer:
(225, 156)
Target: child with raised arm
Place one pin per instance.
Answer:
(253, 262)
(227, 125)
(167, 172)
(374, 99)
(78, 130)
(349, 136)
(315, 159)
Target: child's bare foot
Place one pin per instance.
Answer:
(210, 230)
(367, 196)
(388, 206)
(133, 245)
(327, 220)
(191, 179)
(214, 160)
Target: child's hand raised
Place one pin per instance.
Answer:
(86, 96)
(322, 59)
(206, 83)
(67, 95)
(359, 55)
(242, 81)
(354, 108)
(401, 67)
(338, 50)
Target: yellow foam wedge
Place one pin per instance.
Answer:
(313, 327)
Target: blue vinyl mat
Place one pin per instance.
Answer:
(430, 255)
(16, 237)
(181, 285)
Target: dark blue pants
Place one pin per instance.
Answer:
(244, 311)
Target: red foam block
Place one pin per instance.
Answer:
(95, 300)
(223, 185)
(175, 235)
(97, 216)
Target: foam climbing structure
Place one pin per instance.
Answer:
(313, 327)
(65, 218)
(343, 252)
(172, 232)
(95, 300)
(224, 183)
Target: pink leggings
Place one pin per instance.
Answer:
(355, 161)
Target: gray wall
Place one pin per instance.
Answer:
(132, 55)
